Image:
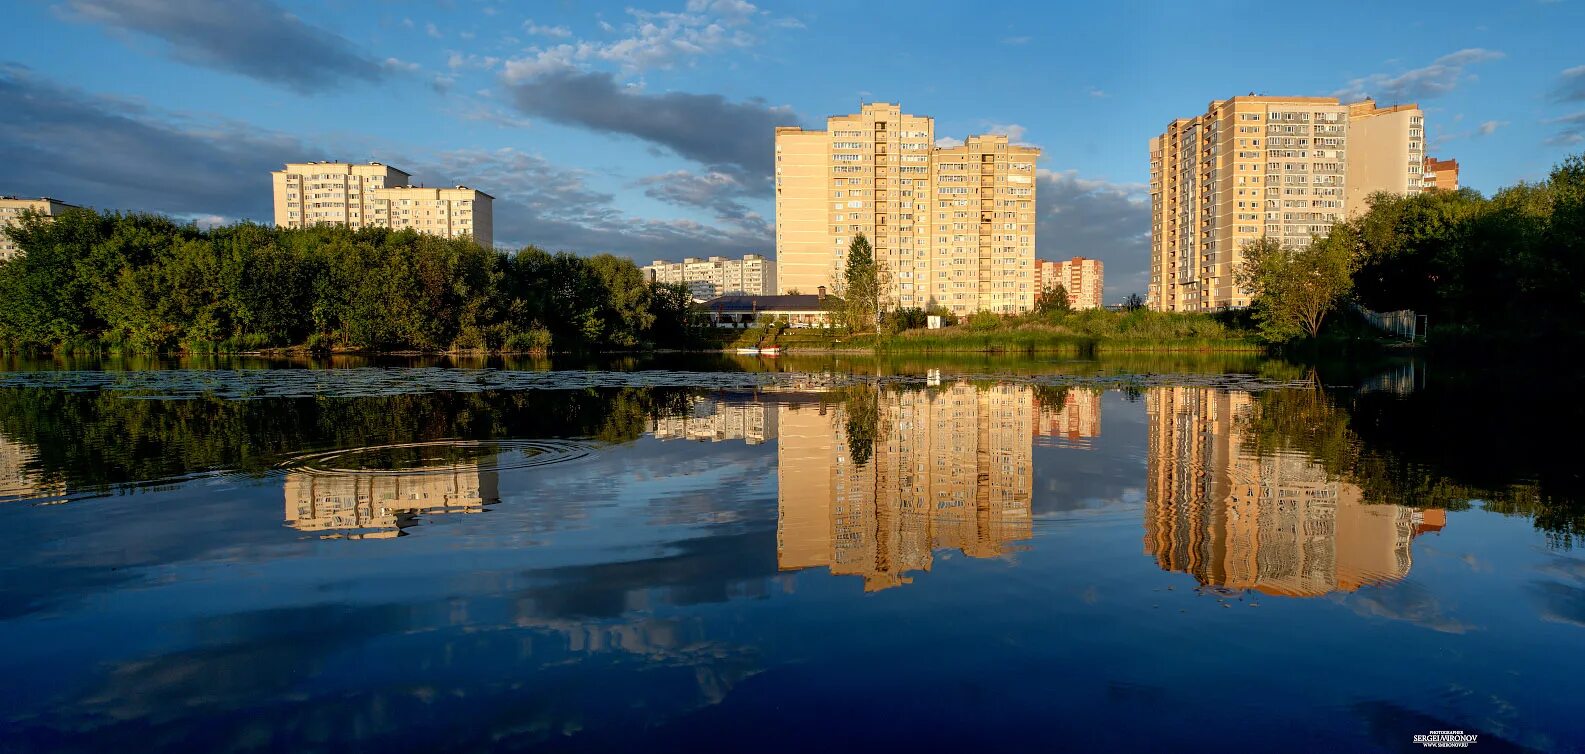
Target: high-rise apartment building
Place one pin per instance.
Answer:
(1082, 278)
(11, 207)
(1441, 174)
(1254, 167)
(1073, 423)
(946, 469)
(753, 275)
(378, 195)
(952, 226)
(1386, 152)
(1275, 522)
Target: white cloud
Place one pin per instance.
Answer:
(397, 64)
(657, 39)
(1490, 127)
(432, 30)
(1013, 131)
(533, 29)
(947, 142)
(1440, 77)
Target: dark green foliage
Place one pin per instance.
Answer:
(142, 283)
(899, 320)
(1053, 300)
(1499, 269)
(101, 441)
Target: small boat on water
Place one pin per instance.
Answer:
(748, 350)
(770, 351)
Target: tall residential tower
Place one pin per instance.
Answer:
(1254, 167)
(953, 226)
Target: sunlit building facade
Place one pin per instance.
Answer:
(12, 207)
(1274, 522)
(1252, 167)
(952, 226)
(948, 469)
(752, 422)
(1441, 175)
(1074, 422)
(378, 195)
(707, 278)
(1084, 279)
(378, 505)
(19, 479)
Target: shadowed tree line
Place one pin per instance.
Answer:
(138, 283)
(100, 441)
(1442, 446)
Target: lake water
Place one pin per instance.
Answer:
(787, 555)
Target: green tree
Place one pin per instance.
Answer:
(1053, 300)
(1133, 303)
(1294, 289)
(861, 290)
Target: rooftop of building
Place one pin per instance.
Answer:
(458, 187)
(371, 163)
(36, 199)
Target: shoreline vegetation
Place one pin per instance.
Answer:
(1500, 274)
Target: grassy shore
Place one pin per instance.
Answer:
(1067, 333)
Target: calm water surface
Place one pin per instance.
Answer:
(820, 555)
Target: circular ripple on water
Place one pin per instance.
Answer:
(441, 456)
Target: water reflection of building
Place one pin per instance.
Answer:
(714, 421)
(1275, 523)
(368, 505)
(1073, 423)
(950, 468)
(17, 479)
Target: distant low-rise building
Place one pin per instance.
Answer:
(1441, 175)
(446, 212)
(379, 196)
(12, 207)
(1082, 278)
(752, 275)
(802, 310)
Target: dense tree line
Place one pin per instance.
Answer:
(1512, 265)
(144, 283)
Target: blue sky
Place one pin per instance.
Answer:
(645, 130)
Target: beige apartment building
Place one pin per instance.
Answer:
(1386, 148)
(1253, 167)
(1074, 423)
(1082, 278)
(708, 420)
(1276, 522)
(952, 226)
(1441, 175)
(378, 505)
(752, 275)
(11, 207)
(949, 469)
(456, 212)
(378, 195)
